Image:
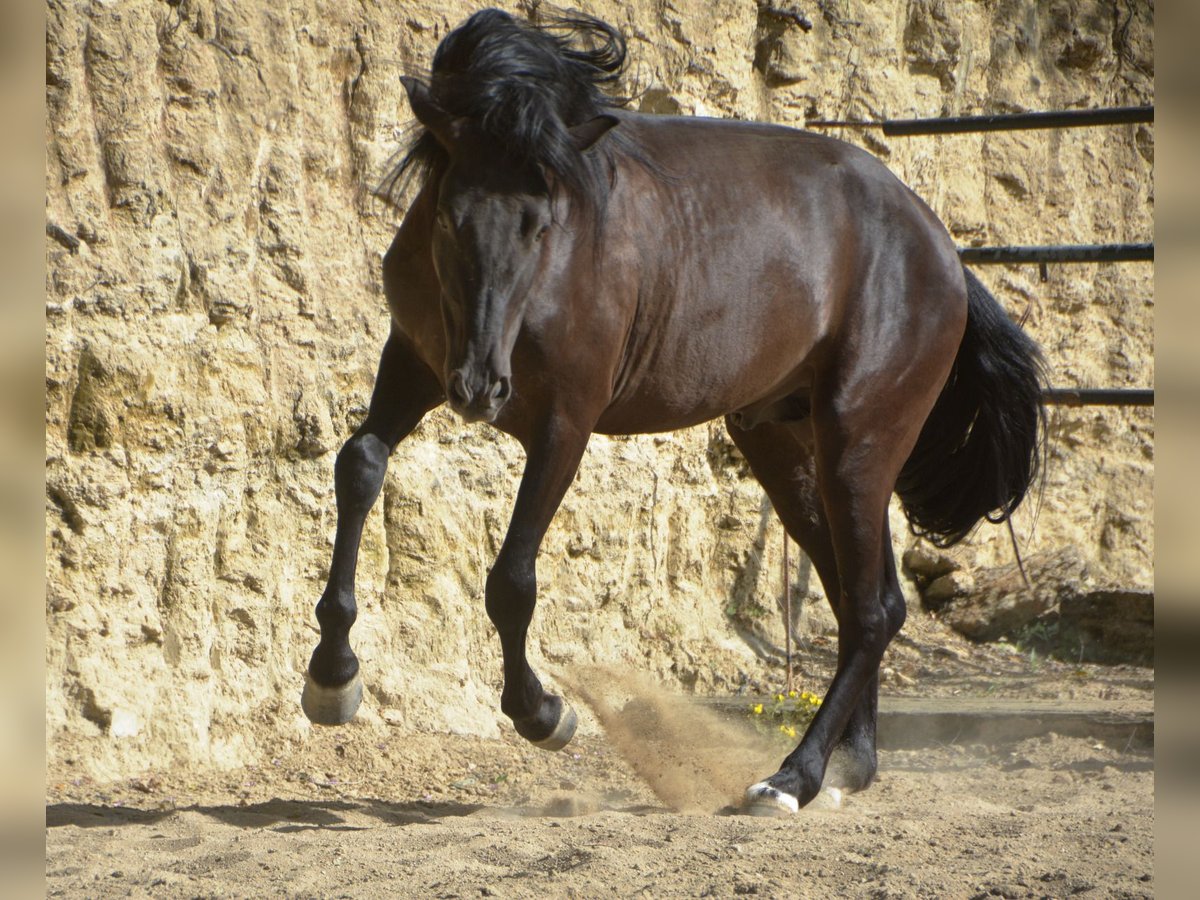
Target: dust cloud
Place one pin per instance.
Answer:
(693, 760)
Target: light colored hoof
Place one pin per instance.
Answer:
(562, 733)
(764, 800)
(331, 706)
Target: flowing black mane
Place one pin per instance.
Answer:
(523, 85)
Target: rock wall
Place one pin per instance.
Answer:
(214, 315)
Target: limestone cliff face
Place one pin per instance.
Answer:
(215, 313)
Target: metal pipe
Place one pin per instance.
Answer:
(1099, 396)
(1070, 118)
(1058, 253)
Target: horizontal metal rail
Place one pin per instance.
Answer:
(1099, 396)
(1089, 253)
(1070, 118)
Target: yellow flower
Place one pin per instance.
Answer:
(791, 694)
(788, 730)
(779, 698)
(756, 709)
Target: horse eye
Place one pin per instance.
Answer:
(532, 228)
(443, 220)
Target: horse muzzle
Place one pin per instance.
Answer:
(477, 397)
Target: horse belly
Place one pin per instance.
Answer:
(686, 381)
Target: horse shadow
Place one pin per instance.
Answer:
(290, 816)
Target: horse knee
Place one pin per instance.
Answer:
(510, 593)
(359, 471)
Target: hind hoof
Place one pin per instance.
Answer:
(764, 800)
(562, 733)
(827, 798)
(331, 706)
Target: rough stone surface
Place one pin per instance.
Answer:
(947, 587)
(1109, 626)
(1000, 603)
(923, 562)
(214, 315)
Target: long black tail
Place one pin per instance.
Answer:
(983, 443)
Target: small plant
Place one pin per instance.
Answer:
(788, 716)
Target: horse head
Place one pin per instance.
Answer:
(492, 235)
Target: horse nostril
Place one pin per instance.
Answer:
(456, 387)
(502, 390)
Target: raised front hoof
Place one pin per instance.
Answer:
(331, 705)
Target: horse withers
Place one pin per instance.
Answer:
(571, 267)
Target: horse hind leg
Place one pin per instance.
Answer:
(781, 457)
(853, 765)
(404, 391)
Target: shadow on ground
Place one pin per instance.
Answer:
(287, 816)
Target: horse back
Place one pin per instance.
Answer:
(760, 251)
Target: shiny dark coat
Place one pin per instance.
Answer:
(568, 267)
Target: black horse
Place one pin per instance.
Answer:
(569, 267)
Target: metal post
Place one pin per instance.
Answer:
(787, 609)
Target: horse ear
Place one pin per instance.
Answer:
(440, 123)
(588, 134)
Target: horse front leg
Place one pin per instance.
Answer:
(405, 389)
(511, 593)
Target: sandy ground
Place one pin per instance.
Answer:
(641, 808)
